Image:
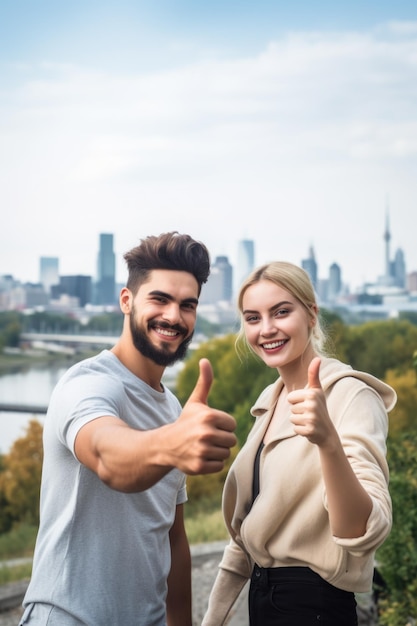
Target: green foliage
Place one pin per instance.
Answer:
(10, 328)
(42, 322)
(377, 347)
(397, 557)
(15, 573)
(204, 519)
(403, 418)
(18, 542)
(107, 323)
(411, 316)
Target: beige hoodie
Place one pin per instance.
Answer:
(288, 524)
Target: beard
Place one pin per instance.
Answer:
(160, 356)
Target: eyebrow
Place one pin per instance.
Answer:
(272, 308)
(168, 296)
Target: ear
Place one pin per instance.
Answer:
(313, 319)
(126, 300)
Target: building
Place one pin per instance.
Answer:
(245, 261)
(106, 271)
(220, 282)
(49, 272)
(334, 286)
(310, 266)
(78, 286)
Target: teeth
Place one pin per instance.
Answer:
(274, 344)
(167, 333)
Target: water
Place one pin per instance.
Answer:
(34, 386)
(31, 386)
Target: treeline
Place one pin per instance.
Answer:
(387, 349)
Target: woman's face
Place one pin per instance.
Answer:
(276, 325)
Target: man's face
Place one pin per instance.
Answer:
(163, 316)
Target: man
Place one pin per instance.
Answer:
(111, 548)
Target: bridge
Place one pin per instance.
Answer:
(7, 407)
(68, 339)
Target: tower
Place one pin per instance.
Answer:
(106, 271)
(310, 266)
(245, 260)
(387, 238)
(49, 272)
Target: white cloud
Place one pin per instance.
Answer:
(315, 123)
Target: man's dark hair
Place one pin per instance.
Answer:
(169, 251)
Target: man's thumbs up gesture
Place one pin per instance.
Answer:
(309, 410)
(202, 436)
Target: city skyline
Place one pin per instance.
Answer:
(291, 124)
(246, 255)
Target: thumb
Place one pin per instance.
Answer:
(313, 374)
(202, 387)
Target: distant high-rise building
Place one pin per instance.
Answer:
(219, 285)
(412, 282)
(245, 261)
(398, 269)
(387, 238)
(310, 266)
(335, 282)
(49, 272)
(76, 286)
(106, 271)
(395, 270)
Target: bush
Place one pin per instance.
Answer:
(397, 557)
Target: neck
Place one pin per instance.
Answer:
(143, 368)
(295, 374)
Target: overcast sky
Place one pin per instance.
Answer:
(290, 123)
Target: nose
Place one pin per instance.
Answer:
(172, 313)
(267, 327)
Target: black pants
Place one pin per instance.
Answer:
(297, 596)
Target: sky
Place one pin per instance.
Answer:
(290, 123)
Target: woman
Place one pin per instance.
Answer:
(306, 501)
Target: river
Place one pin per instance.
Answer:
(30, 386)
(33, 386)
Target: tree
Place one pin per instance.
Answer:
(21, 476)
(403, 418)
(397, 557)
(377, 347)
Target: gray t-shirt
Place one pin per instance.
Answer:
(101, 555)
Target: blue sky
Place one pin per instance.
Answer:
(294, 124)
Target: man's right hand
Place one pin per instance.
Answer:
(202, 436)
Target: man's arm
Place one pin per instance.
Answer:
(130, 460)
(179, 605)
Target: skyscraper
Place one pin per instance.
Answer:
(219, 285)
(310, 266)
(49, 272)
(106, 271)
(245, 261)
(335, 282)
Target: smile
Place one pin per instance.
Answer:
(273, 344)
(166, 332)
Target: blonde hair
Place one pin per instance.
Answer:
(297, 282)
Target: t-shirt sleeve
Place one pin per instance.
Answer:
(82, 399)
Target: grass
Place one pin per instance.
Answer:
(15, 573)
(204, 520)
(18, 542)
